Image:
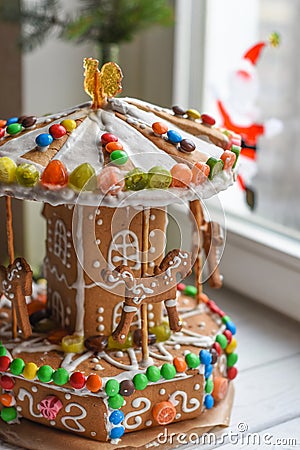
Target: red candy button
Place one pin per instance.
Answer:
(232, 373)
(55, 176)
(6, 382)
(180, 286)
(2, 132)
(108, 137)
(4, 363)
(228, 335)
(207, 120)
(57, 131)
(77, 380)
(217, 347)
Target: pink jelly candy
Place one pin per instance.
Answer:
(50, 407)
(110, 180)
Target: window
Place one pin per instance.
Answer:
(60, 241)
(57, 308)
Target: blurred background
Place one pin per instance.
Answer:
(173, 52)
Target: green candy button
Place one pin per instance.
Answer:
(116, 402)
(2, 351)
(232, 359)
(192, 360)
(168, 371)
(119, 157)
(190, 290)
(8, 414)
(14, 128)
(45, 373)
(112, 387)
(226, 319)
(140, 381)
(16, 366)
(60, 376)
(222, 340)
(153, 373)
(209, 386)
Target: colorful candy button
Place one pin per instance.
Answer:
(108, 137)
(222, 340)
(205, 357)
(27, 175)
(43, 140)
(60, 376)
(193, 114)
(180, 364)
(116, 402)
(57, 131)
(55, 175)
(94, 383)
(181, 175)
(127, 388)
(209, 401)
(83, 178)
(112, 387)
(77, 380)
(8, 414)
(207, 120)
(3, 123)
(190, 290)
(45, 373)
(153, 374)
(208, 371)
(2, 132)
(14, 128)
(159, 128)
(187, 146)
(216, 346)
(232, 359)
(168, 371)
(192, 360)
(110, 180)
(200, 173)
(174, 137)
(231, 327)
(136, 180)
(216, 166)
(209, 386)
(232, 373)
(228, 335)
(116, 432)
(112, 146)
(180, 286)
(220, 388)
(2, 350)
(7, 400)
(69, 124)
(214, 355)
(17, 366)
(7, 383)
(28, 121)
(140, 381)
(4, 363)
(159, 178)
(12, 120)
(178, 111)
(164, 412)
(72, 344)
(119, 157)
(232, 346)
(30, 371)
(116, 417)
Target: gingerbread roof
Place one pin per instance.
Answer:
(190, 157)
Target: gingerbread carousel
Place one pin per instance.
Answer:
(116, 341)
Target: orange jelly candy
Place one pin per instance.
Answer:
(200, 172)
(180, 364)
(94, 383)
(181, 175)
(159, 128)
(228, 159)
(112, 146)
(55, 175)
(164, 412)
(220, 388)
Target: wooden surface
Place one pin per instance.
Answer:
(267, 399)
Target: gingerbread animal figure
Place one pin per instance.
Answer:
(15, 284)
(162, 286)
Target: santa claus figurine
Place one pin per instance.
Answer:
(240, 114)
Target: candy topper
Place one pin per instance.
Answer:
(101, 84)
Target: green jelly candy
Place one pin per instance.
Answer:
(119, 157)
(153, 373)
(216, 166)
(168, 371)
(190, 290)
(112, 344)
(236, 150)
(162, 332)
(226, 319)
(116, 402)
(83, 178)
(45, 373)
(136, 180)
(232, 359)
(222, 340)
(209, 386)
(17, 366)
(192, 360)
(8, 414)
(2, 351)
(7, 170)
(27, 175)
(60, 376)
(14, 128)
(140, 381)
(159, 178)
(112, 387)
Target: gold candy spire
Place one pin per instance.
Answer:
(101, 84)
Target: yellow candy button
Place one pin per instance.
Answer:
(7, 170)
(193, 114)
(69, 124)
(72, 344)
(232, 346)
(30, 371)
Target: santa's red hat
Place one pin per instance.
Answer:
(252, 55)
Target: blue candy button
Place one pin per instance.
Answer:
(209, 401)
(174, 137)
(43, 140)
(116, 432)
(208, 371)
(116, 417)
(205, 357)
(231, 327)
(12, 120)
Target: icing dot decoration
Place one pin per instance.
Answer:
(8, 414)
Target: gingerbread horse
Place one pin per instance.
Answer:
(162, 286)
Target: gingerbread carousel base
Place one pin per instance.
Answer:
(33, 436)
